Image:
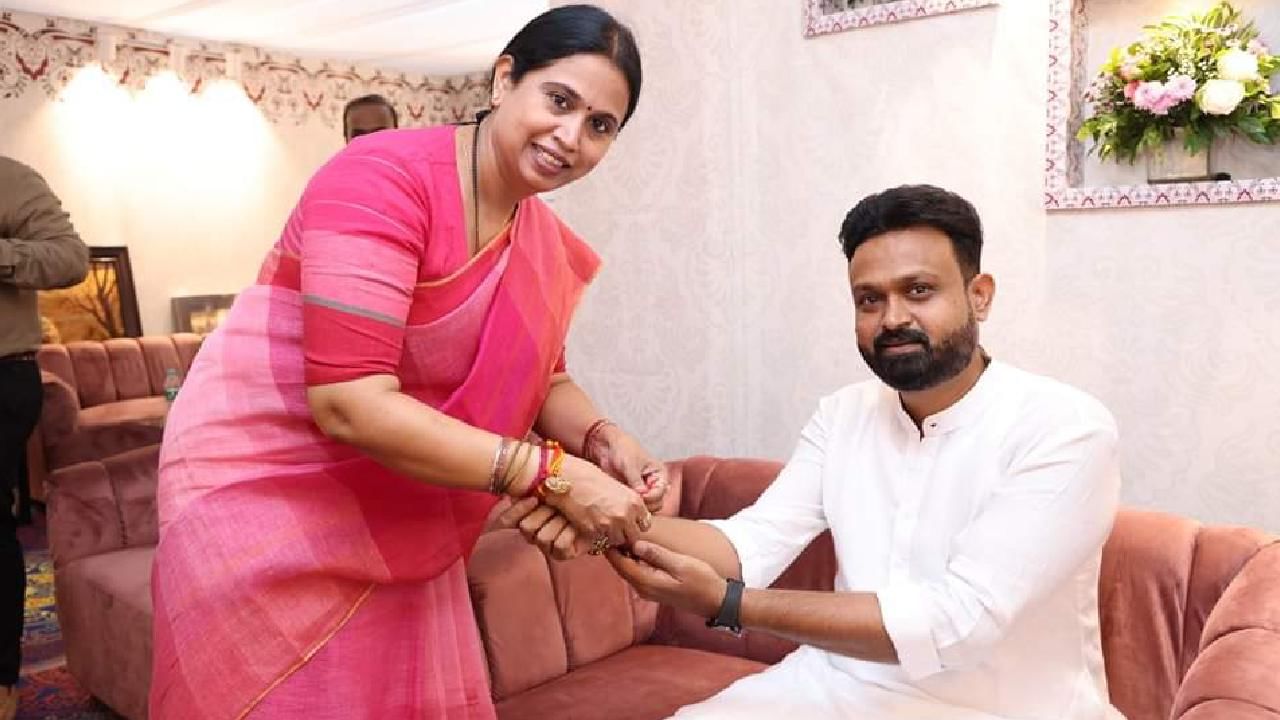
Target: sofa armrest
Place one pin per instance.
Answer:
(515, 608)
(100, 506)
(1233, 677)
(83, 516)
(60, 414)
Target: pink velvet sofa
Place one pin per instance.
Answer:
(102, 398)
(1190, 613)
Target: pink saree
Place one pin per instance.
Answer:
(295, 577)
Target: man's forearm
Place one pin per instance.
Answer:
(699, 540)
(46, 263)
(845, 623)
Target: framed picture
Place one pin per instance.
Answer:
(1081, 34)
(822, 17)
(104, 305)
(200, 313)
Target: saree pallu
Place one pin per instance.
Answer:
(295, 577)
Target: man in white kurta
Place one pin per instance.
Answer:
(968, 501)
(979, 534)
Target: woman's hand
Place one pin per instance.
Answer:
(602, 511)
(622, 457)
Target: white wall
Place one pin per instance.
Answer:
(722, 314)
(196, 186)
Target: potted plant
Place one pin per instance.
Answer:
(1190, 80)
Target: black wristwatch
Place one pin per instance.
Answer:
(730, 608)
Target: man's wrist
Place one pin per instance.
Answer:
(729, 614)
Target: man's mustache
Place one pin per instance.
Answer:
(900, 337)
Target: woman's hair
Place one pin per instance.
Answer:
(576, 30)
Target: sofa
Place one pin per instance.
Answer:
(102, 398)
(102, 535)
(1191, 626)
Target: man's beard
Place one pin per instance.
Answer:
(924, 368)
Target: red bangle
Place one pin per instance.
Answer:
(591, 433)
(535, 487)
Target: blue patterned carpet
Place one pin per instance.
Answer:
(48, 692)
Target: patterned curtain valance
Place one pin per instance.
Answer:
(43, 53)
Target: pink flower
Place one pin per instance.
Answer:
(1149, 96)
(1180, 87)
(1257, 47)
(1130, 89)
(1159, 98)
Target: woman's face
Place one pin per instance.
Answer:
(557, 123)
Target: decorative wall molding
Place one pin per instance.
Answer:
(821, 19)
(39, 53)
(1068, 26)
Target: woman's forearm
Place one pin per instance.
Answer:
(567, 414)
(372, 415)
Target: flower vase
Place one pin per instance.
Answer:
(1173, 164)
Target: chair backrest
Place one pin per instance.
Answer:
(96, 506)
(1162, 577)
(120, 368)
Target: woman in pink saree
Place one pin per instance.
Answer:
(324, 468)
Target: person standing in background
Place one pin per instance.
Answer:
(368, 114)
(39, 250)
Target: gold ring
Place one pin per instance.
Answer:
(599, 545)
(646, 522)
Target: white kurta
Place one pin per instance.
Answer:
(980, 534)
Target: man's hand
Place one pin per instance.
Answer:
(670, 578)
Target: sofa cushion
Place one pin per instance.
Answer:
(104, 608)
(92, 366)
(128, 370)
(670, 677)
(96, 440)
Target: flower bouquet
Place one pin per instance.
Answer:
(1193, 79)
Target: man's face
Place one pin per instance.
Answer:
(916, 316)
(365, 119)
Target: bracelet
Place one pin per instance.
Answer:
(515, 469)
(501, 463)
(591, 433)
(555, 482)
(550, 464)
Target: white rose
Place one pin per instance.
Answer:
(1238, 64)
(1220, 97)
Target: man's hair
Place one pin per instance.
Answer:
(913, 206)
(372, 99)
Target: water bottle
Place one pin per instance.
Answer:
(171, 384)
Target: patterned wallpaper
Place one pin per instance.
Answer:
(41, 54)
(723, 313)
